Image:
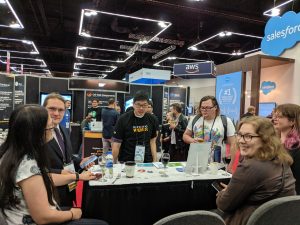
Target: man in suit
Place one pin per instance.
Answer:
(60, 148)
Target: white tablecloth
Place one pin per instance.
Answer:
(148, 173)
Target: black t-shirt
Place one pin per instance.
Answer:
(96, 113)
(133, 131)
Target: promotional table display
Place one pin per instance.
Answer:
(154, 173)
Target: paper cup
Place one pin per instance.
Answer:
(129, 169)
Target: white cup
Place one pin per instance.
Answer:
(129, 169)
(213, 167)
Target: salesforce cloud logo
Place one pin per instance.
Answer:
(267, 86)
(281, 33)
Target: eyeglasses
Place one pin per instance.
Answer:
(207, 108)
(54, 109)
(246, 137)
(141, 106)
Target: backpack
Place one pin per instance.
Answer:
(224, 121)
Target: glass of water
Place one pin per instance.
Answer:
(101, 163)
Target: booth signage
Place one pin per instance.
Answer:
(6, 97)
(267, 86)
(228, 94)
(281, 33)
(194, 70)
(19, 93)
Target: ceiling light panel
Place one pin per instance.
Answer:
(277, 10)
(9, 17)
(109, 25)
(18, 46)
(171, 60)
(90, 67)
(25, 61)
(88, 74)
(101, 54)
(228, 43)
(37, 71)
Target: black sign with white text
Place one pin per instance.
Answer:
(194, 70)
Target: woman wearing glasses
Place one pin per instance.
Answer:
(263, 174)
(26, 188)
(286, 120)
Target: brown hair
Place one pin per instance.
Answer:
(292, 112)
(271, 144)
(251, 109)
(214, 101)
(177, 107)
(52, 96)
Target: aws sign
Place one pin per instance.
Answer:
(194, 70)
(281, 33)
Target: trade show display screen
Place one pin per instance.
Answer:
(128, 103)
(266, 108)
(65, 96)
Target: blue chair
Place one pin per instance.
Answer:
(280, 211)
(200, 217)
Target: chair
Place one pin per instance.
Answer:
(280, 211)
(200, 217)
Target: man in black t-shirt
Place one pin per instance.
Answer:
(95, 110)
(135, 132)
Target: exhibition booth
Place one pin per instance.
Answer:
(27, 89)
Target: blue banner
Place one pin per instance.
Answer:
(194, 70)
(228, 94)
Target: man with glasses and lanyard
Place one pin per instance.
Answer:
(61, 160)
(134, 138)
(209, 126)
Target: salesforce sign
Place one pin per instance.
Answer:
(281, 33)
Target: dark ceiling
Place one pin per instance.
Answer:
(53, 26)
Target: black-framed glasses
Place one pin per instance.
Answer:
(145, 106)
(246, 137)
(207, 108)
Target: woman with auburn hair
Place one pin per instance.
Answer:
(263, 174)
(286, 121)
(27, 191)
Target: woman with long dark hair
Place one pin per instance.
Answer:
(27, 193)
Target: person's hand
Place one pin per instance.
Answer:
(87, 175)
(224, 189)
(198, 140)
(166, 139)
(66, 172)
(76, 213)
(172, 125)
(224, 186)
(89, 165)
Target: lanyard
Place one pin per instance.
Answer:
(210, 128)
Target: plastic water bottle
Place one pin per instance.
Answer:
(109, 165)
